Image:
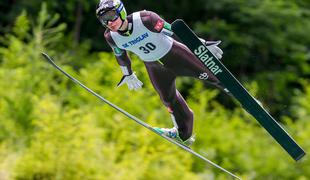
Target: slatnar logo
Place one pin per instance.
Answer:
(202, 53)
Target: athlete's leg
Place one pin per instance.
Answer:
(163, 81)
(183, 62)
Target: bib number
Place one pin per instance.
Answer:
(147, 48)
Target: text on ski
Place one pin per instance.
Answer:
(202, 53)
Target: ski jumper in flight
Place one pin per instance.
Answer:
(150, 37)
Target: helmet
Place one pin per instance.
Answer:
(110, 10)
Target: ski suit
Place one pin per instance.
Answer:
(165, 59)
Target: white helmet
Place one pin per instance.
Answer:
(110, 10)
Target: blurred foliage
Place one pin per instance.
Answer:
(266, 41)
(263, 40)
(52, 129)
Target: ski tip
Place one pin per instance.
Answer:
(177, 21)
(178, 24)
(44, 55)
(47, 57)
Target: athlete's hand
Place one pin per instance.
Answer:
(132, 82)
(213, 47)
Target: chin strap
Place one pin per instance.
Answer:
(128, 30)
(122, 23)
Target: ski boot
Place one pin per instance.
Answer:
(173, 133)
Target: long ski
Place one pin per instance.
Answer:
(140, 122)
(249, 103)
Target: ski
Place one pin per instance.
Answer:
(249, 103)
(140, 122)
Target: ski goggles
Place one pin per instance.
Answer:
(107, 16)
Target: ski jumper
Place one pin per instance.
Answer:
(164, 59)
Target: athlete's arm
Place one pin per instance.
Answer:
(155, 23)
(120, 54)
(123, 60)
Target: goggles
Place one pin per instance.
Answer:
(107, 16)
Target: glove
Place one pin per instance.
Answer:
(213, 48)
(132, 82)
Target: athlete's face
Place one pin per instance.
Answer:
(115, 25)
